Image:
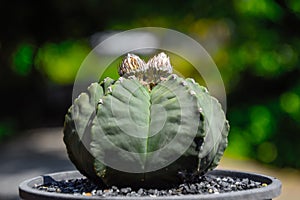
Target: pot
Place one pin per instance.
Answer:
(272, 190)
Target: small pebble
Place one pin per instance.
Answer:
(51, 190)
(140, 191)
(87, 194)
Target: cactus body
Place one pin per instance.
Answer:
(143, 114)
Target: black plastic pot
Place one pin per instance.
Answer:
(273, 189)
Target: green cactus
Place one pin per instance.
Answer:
(144, 111)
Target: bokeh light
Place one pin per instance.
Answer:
(60, 62)
(23, 59)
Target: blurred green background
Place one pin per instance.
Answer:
(255, 44)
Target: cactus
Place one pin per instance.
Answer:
(142, 112)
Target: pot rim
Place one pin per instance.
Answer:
(272, 190)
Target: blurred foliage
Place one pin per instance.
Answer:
(255, 44)
(6, 128)
(22, 59)
(60, 62)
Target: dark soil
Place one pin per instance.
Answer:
(207, 184)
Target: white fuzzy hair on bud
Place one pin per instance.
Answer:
(160, 62)
(155, 70)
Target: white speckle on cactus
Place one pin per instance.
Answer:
(174, 76)
(192, 92)
(184, 83)
(193, 81)
(100, 101)
(201, 148)
(109, 89)
(121, 79)
(200, 110)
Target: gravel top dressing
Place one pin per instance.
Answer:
(207, 184)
